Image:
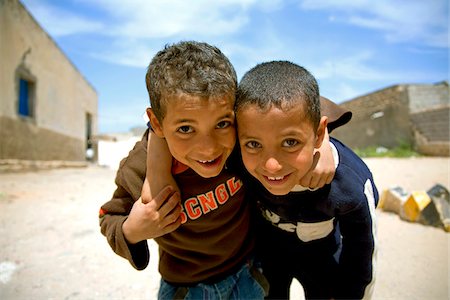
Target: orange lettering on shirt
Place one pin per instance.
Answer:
(207, 202)
(192, 209)
(234, 185)
(222, 195)
(183, 215)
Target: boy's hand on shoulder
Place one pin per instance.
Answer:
(323, 167)
(149, 219)
(321, 172)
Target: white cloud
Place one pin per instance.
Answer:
(414, 20)
(359, 67)
(161, 19)
(343, 92)
(133, 53)
(354, 67)
(143, 19)
(60, 22)
(136, 27)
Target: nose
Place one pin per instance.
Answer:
(208, 145)
(272, 165)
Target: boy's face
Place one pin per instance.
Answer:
(278, 146)
(200, 133)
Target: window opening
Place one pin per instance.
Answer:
(25, 107)
(89, 144)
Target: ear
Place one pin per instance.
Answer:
(156, 125)
(321, 131)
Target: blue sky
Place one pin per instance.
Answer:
(353, 47)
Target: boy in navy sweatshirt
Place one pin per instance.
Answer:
(323, 237)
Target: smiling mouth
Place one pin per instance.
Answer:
(206, 161)
(210, 163)
(276, 179)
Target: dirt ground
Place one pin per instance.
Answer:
(51, 246)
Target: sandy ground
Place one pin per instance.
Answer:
(51, 246)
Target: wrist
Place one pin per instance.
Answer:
(128, 233)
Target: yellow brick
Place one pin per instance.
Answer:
(416, 202)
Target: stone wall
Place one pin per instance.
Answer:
(418, 115)
(424, 97)
(20, 140)
(432, 131)
(379, 119)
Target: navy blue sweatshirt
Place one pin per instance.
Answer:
(338, 219)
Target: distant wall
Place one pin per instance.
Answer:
(430, 117)
(424, 97)
(418, 115)
(62, 99)
(21, 140)
(379, 119)
(432, 131)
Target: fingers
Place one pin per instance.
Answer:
(314, 183)
(309, 179)
(170, 214)
(316, 158)
(305, 180)
(318, 175)
(168, 208)
(173, 220)
(161, 198)
(330, 178)
(172, 226)
(171, 209)
(146, 196)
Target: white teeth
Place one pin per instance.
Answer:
(276, 178)
(206, 161)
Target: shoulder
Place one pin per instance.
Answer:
(350, 164)
(349, 185)
(132, 169)
(136, 159)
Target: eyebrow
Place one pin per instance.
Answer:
(225, 116)
(184, 121)
(246, 137)
(228, 115)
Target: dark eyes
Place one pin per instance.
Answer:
(286, 143)
(185, 129)
(223, 124)
(290, 143)
(253, 145)
(189, 129)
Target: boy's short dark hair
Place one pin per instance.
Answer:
(188, 67)
(280, 84)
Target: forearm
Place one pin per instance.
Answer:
(323, 168)
(112, 217)
(159, 164)
(357, 259)
(115, 212)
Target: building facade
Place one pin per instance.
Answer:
(413, 114)
(48, 110)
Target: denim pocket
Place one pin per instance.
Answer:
(259, 278)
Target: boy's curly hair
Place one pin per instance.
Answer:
(188, 67)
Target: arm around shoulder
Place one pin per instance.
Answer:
(115, 212)
(359, 248)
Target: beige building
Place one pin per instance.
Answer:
(413, 114)
(48, 110)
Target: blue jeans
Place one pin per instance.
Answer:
(247, 283)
